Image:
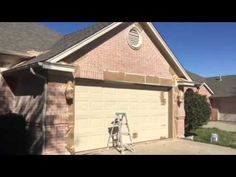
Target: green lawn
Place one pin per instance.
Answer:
(225, 138)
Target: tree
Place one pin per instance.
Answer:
(197, 110)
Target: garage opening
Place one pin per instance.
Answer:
(96, 103)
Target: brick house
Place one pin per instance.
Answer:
(70, 91)
(222, 96)
(20, 42)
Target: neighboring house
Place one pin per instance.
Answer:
(69, 95)
(201, 86)
(20, 42)
(223, 101)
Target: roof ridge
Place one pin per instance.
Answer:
(50, 29)
(234, 75)
(86, 28)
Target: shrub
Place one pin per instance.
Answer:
(197, 111)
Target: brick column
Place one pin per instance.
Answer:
(214, 110)
(179, 116)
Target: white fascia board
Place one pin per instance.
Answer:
(15, 53)
(84, 42)
(3, 69)
(57, 67)
(186, 84)
(158, 36)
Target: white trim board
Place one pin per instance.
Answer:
(57, 67)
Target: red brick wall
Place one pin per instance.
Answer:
(58, 114)
(204, 91)
(179, 113)
(6, 98)
(225, 108)
(214, 110)
(115, 54)
(180, 127)
(31, 107)
(56, 119)
(214, 114)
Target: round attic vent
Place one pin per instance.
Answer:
(134, 38)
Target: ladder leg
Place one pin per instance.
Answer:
(121, 140)
(129, 146)
(121, 119)
(111, 134)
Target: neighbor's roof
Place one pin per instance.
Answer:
(224, 88)
(70, 40)
(23, 37)
(196, 77)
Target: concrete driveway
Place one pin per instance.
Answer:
(172, 147)
(227, 126)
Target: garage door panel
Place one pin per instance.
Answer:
(85, 143)
(90, 97)
(82, 105)
(109, 105)
(95, 108)
(91, 131)
(145, 135)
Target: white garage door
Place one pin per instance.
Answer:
(95, 108)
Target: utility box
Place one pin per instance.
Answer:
(214, 137)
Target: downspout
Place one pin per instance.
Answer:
(44, 105)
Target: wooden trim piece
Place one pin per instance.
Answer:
(152, 80)
(136, 78)
(171, 113)
(113, 76)
(69, 139)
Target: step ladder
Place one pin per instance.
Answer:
(117, 134)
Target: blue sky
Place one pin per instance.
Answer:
(208, 49)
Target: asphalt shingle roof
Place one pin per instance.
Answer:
(196, 77)
(70, 40)
(224, 88)
(25, 36)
